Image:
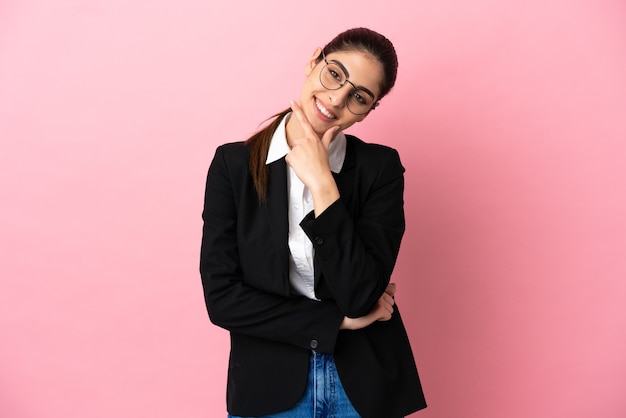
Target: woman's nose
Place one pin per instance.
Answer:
(339, 97)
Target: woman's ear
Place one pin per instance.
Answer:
(312, 62)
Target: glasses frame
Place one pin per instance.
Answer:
(354, 87)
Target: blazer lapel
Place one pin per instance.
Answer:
(345, 183)
(345, 178)
(277, 216)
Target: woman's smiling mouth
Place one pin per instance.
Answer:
(323, 110)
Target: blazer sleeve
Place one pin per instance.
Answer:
(238, 307)
(357, 240)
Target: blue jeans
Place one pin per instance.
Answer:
(324, 396)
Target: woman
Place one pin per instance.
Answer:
(302, 227)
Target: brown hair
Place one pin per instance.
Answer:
(357, 39)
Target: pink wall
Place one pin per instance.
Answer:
(511, 121)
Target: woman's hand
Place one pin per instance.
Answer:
(381, 312)
(309, 159)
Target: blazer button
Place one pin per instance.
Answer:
(314, 344)
(319, 240)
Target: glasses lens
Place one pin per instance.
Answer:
(359, 102)
(332, 77)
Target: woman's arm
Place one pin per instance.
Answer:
(355, 248)
(238, 307)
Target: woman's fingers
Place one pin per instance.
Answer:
(308, 129)
(387, 302)
(304, 122)
(381, 312)
(387, 298)
(385, 307)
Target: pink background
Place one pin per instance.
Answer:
(511, 122)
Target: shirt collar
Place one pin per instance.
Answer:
(279, 147)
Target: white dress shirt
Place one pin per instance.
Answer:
(300, 202)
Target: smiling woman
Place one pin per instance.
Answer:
(302, 228)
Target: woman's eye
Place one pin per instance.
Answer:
(359, 97)
(334, 74)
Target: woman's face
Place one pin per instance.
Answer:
(327, 108)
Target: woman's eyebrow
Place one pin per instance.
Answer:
(344, 69)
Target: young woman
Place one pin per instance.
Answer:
(302, 227)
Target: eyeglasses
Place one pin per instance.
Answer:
(333, 77)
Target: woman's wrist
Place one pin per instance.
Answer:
(322, 200)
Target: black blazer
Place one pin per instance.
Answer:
(244, 268)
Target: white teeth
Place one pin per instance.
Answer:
(323, 110)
